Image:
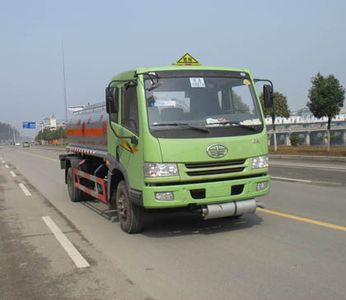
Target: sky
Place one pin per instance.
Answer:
(288, 42)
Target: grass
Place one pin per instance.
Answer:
(309, 150)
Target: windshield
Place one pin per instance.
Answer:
(200, 105)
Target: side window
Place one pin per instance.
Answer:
(129, 116)
(114, 116)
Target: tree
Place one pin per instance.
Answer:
(281, 106)
(280, 109)
(326, 98)
(294, 139)
(49, 135)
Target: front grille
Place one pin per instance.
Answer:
(212, 164)
(213, 172)
(207, 180)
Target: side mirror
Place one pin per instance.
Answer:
(112, 100)
(268, 96)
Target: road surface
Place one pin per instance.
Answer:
(294, 248)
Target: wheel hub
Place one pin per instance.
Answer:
(122, 207)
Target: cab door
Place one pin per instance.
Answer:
(130, 152)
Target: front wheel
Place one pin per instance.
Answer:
(130, 215)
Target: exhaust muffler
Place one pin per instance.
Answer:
(229, 209)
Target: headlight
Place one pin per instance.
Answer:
(261, 186)
(260, 162)
(164, 196)
(160, 170)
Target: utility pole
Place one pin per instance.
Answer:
(14, 136)
(64, 78)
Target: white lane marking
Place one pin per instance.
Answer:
(77, 258)
(24, 189)
(13, 174)
(292, 179)
(3, 161)
(6, 166)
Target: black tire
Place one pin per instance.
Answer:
(131, 217)
(74, 193)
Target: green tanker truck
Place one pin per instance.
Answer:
(181, 137)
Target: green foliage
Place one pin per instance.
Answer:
(294, 139)
(49, 135)
(281, 106)
(326, 97)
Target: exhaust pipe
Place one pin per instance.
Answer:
(229, 209)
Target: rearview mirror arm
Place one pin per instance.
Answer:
(265, 80)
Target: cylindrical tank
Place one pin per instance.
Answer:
(87, 129)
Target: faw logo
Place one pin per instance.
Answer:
(217, 151)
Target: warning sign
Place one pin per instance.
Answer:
(187, 60)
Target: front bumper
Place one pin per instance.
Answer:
(215, 192)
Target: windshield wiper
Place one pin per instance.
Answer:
(186, 125)
(235, 124)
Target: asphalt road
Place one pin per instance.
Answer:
(295, 248)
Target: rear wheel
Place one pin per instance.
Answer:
(74, 193)
(130, 215)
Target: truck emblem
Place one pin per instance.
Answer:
(217, 151)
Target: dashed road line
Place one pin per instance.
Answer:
(302, 219)
(6, 166)
(13, 174)
(71, 250)
(24, 189)
(291, 179)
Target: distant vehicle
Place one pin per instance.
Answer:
(182, 137)
(17, 144)
(26, 144)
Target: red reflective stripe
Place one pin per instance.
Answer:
(88, 131)
(94, 131)
(82, 150)
(76, 132)
(98, 131)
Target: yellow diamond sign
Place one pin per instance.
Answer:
(187, 60)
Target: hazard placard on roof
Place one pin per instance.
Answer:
(187, 60)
